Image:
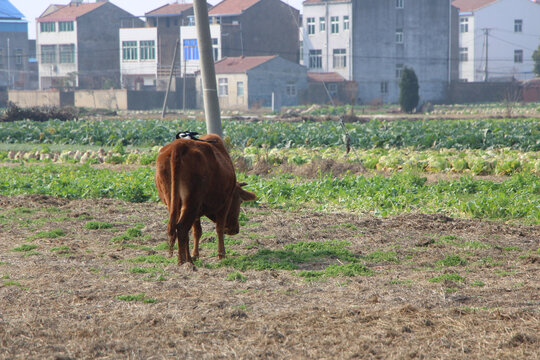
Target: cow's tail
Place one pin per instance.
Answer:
(176, 200)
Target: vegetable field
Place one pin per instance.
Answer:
(423, 241)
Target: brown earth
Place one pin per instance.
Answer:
(60, 299)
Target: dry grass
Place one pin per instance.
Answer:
(60, 300)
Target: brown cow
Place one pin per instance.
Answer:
(196, 178)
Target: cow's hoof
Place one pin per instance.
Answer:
(221, 256)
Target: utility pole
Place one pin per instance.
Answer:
(486, 37)
(208, 73)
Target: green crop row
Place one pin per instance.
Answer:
(518, 197)
(520, 134)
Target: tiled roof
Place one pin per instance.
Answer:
(471, 5)
(8, 11)
(70, 12)
(325, 77)
(231, 65)
(170, 9)
(232, 7)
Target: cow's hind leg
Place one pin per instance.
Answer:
(182, 229)
(197, 232)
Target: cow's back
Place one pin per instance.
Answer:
(201, 171)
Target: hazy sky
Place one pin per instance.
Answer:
(33, 8)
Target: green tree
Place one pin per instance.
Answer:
(408, 90)
(536, 59)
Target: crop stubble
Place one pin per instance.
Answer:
(64, 304)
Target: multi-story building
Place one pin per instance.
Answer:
(371, 41)
(246, 28)
(497, 39)
(77, 45)
(14, 48)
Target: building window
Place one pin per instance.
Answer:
(464, 25)
(518, 56)
(148, 50)
(463, 54)
(384, 87)
(191, 20)
(399, 36)
(191, 49)
(47, 26)
(65, 26)
(18, 56)
(340, 58)
(1, 56)
(346, 23)
(67, 54)
(518, 25)
(223, 87)
(215, 49)
(48, 54)
(399, 70)
(311, 25)
(334, 21)
(322, 24)
(399, 4)
(129, 50)
(239, 88)
(315, 59)
(290, 88)
(301, 55)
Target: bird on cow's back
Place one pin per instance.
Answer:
(194, 178)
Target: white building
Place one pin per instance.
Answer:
(497, 39)
(327, 36)
(139, 59)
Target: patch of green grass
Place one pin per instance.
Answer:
(53, 234)
(96, 225)
(447, 277)
(478, 283)
(380, 256)
(153, 259)
(165, 246)
(4, 277)
(451, 290)
(452, 260)
(509, 248)
(145, 270)
(133, 233)
(236, 276)
(3, 263)
(212, 243)
(137, 297)
(25, 248)
(489, 262)
(12, 283)
(503, 272)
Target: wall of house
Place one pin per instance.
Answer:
(233, 100)
(102, 99)
(425, 47)
(270, 27)
(190, 33)
(273, 77)
(138, 73)
(502, 40)
(326, 41)
(467, 41)
(98, 51)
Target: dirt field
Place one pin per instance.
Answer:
(65, 289)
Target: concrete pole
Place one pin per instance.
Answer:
(208, 73)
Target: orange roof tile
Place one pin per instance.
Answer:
(231, 65)
(70, 12)
(471, 5)
(325, 77)
(232, 7)
(170, 9)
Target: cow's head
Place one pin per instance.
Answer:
(232, 227)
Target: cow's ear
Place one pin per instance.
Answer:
(247, 195)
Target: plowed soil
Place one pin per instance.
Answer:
(65, 289)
